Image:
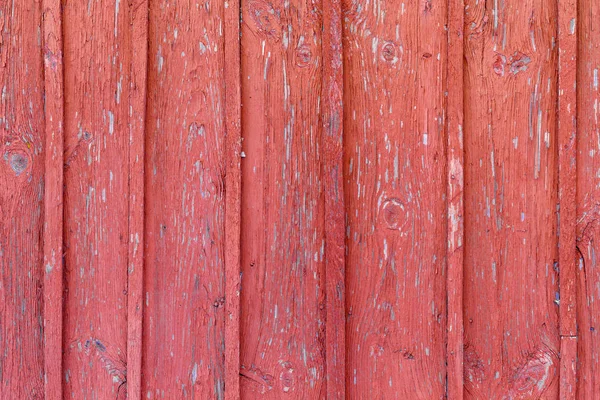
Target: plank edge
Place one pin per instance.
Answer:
(53, 197)
(455, 201)
(567, 193)
(136, 229)
(333, 186)
(232, 70)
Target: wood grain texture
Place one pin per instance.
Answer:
(138, 14)
(455, 200)
(53, 198)
(567, 194)
(510, 277)
(588, 198)
(97, 59)
(22, 205)
(283, 319)
(300, 199)
(233, 198)
(333, 187)
(184, 273)
(395, 189)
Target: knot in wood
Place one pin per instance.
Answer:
(394, 214)
(303, 56)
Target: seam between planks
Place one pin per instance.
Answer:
(332, 118)
(53, 197)
(455, 200)
(567, 193)
(135, 262)
(232, 70)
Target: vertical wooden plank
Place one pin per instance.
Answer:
(53, 198)
(233, 198)
(333, 188)
(395, 188)
(233, 187)
(455, 199)
(510, 280)
(283, 320)
(138, 14)
(588, 197)
(21, 200)
(97, 59)
(567, 194)
(184, 272)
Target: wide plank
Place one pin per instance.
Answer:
(395, 188)
(511, 194)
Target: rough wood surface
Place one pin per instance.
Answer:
(588, 199)
(97, 57)
(510, 276)
(184, 272)
(233, 187)
(567, 195)
(299, 199)
(395, 187)
(283, 318)
(53, 198)
(455, 200)
(332, 114)
(138, 14)
(21, 200)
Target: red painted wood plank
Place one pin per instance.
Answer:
(21, 200)
(333, 186)
(455, 199)
(97, 59)
(588, 198)
(567, 194)
(53, 198)
(568, 367)
(138, 14)
(283, 320)
(233, 187)
(510, 282)
(395, 187)
(184, 272)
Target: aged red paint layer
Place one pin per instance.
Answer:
(284, 291)
(511, 193)
(299, 199)
(22, 205)
(395, 187)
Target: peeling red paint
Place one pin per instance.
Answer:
(321, 199)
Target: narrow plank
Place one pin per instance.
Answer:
(233, 187)
(588, 198)
(284, 316)
(567, 194)
(21, 200)
(510, 280)
(138, 14)
(53, 198)
(332, 115)
(395, 189)
(185, 255)
(97, 59)
(455, 199)
(568, 367)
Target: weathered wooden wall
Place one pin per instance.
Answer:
(299, 199)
